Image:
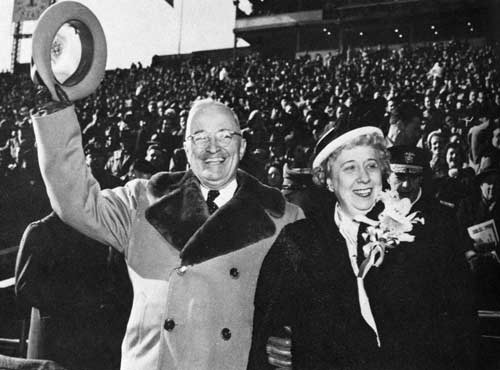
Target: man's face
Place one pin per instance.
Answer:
(155, 157)
(472, 96)
(453, 158)
(409, 134)
(213, 164)
(480, 97)
(489, 187)
(427, 102)
(495, 140)
(274, 177)
(407, 185)
(96, 163)
(436, 145)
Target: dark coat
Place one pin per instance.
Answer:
(472, 211)
(420, 298)
(82, 294)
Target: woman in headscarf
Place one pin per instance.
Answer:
(352, 304)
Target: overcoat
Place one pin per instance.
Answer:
(80, 293)
(420, 298)
(193, 275)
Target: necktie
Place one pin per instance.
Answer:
(212, 207)
(361, 255)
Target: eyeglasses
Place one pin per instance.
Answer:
(222, 138)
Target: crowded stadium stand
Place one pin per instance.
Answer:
(310, 65)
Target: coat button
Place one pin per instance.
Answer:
(225, 334)
(169, 325)
(181, 270)
(235, 274)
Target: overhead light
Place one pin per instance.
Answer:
(396, 30)
(324, 29)
(361, 33)
(329, 33)
(472, 29)
(400, 36)
(468, 24)
(432, 27)
(435, 32)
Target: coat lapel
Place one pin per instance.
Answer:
(181, 216)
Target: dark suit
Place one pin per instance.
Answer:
(419, 298)
(472, 211)
(81, 293)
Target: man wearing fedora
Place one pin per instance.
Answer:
(193, 241)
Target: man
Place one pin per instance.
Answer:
(121, 159)
(483, 254)
(193, 241)
(459, 319)
(477, 137)
(80, 294)
(407, 168)
(404, 125)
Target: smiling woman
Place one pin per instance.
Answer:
(355, 171)
(352, 279)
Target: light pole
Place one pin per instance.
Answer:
(236, 4)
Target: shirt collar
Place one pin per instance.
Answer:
(226, 193)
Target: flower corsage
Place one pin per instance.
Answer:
(393, 226)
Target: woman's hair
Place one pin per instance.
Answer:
(373, 140)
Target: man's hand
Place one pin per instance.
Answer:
(279, 350)
(45, 102)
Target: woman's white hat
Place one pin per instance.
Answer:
(336, 137)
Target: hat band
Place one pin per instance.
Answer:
(343, 139)
(406, 168)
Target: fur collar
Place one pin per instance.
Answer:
(181, 216)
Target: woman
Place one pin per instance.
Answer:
(402, 314)
(435, 143)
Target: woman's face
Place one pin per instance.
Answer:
(356, 178)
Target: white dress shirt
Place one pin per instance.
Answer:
(226, 193)
(349, 230)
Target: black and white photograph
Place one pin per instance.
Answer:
(250, 185)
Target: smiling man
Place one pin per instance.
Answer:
(214, 145)
(193, 241)
(407, 171)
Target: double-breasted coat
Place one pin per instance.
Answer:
(193, 275)
(420, 298)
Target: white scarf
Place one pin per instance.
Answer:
(349, 230)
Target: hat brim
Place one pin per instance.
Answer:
(342, 140)
(406, 168)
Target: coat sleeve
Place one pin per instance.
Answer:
(29, 276)
(278, 300)
(74, 194)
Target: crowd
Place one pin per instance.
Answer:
(133, 126)
(436, 107)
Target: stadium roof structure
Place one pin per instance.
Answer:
(338, 24)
